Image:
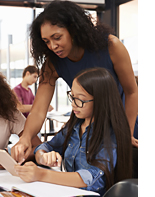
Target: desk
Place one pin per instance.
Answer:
(59, 117)
(40, 189)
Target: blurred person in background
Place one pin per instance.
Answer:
(24, 93)
(12, 120)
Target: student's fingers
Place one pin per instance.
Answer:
(47, 159)
(44, 159)
(30, 163)
(24, 176)
(27, 173)
(51, 159)
(26, 168)
(58, 160)
(20, 169)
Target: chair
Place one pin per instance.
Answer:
(135, 162)
(51, 129)
(125, 188)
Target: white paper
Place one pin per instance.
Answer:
(40, 189)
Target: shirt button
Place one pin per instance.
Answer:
(72, 156)
(101, 172)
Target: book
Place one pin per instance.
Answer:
(38, 189)
(15, 192)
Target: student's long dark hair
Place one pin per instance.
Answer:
(8, 100)
(76, 20)
(108, 112)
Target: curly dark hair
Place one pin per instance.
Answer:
(76, 20)
(8, 100)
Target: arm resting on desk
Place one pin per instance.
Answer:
(31, 172)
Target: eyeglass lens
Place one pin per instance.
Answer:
(77, 102)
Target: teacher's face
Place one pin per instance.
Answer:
(57, 39)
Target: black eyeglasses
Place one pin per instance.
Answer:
(78, 102)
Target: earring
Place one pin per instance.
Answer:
(72, 41)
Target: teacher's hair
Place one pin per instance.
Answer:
(109, 114)
(76, 20)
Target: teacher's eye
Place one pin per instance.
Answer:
(46, 42)
(57, 38)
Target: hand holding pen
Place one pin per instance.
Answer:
(51, 159)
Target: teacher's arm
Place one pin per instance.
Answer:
(37, 115)
(123, 68)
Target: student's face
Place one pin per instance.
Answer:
(31, 78)
(57, 39)
(79, 92)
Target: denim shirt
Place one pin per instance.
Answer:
(75, 157)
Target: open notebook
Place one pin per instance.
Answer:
(40, 189)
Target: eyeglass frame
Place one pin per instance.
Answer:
(68, 93)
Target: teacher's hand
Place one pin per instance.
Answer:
(134, 141)
(21, 150)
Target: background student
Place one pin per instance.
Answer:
(65, 41)
(95, 143)
(24, 93)
(12, 121)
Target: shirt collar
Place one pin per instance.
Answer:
(78, 124)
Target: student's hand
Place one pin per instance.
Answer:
(134, 141)
(29, 172)
(50, 108)
(51, 159)
(21, 150)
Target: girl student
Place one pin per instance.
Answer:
(64, 42)
(11, 120)
(95, 143)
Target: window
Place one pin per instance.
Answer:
(128, 30)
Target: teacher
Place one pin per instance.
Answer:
(66, 41)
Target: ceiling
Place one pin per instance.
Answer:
(92, 4)
(87, 4)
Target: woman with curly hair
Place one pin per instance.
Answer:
(65, 41)
(11, 120)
